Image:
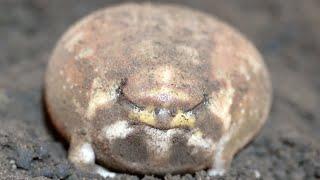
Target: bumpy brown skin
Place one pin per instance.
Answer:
(132, 57)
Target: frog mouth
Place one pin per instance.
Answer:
(159, 117)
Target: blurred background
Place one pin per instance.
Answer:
(287, 33)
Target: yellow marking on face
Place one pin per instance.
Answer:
(183, 119)
(100, 96)
(198, 133)
(146, 116)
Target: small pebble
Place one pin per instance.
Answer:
(24, 158)
(12, 161)
(42, 151)
(62, 171)
(45, 171)
(72, 177)
(257, 174)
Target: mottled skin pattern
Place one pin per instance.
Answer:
(156, 89)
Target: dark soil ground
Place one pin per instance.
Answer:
(286, 32)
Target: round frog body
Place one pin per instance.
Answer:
(155, 89)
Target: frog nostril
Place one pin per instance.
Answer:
(156, 111)
(163, 114)
(173, 112)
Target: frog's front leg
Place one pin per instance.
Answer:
(81, 154)
(222, 157)
(219, 167)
